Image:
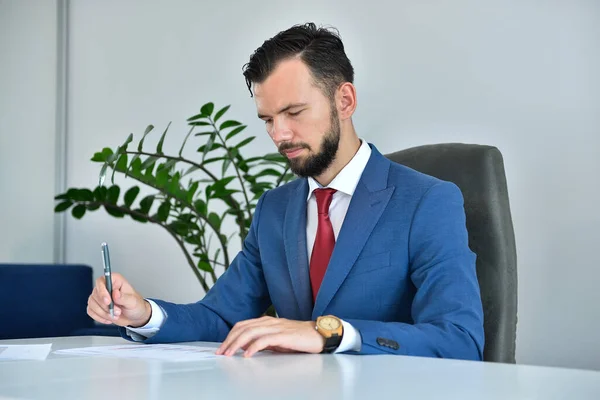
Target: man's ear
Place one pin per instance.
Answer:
(346, 100)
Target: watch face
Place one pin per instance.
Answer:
(329, 323)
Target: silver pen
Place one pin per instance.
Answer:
(108, 277)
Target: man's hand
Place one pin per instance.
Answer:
(268, 333)
(130, 308)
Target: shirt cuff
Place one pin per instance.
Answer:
(351, 340)
(147, 331)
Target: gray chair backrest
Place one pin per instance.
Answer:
(479, 172)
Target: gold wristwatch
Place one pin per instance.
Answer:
(331, 328)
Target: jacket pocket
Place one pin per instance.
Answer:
(370, 263)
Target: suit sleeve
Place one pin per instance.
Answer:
(239, 294)
(446, 309)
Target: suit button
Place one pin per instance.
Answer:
(392, 344)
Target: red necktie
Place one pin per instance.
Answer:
(324, 241)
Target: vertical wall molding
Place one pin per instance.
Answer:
(62, 48)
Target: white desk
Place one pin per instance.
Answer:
(279, 376)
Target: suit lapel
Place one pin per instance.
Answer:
(295, 249)
(368, 202)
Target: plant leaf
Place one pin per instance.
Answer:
(163, 211)
(102, 174)
(130, 195)
(162, 177)
(146, 204)
(200, 207)
(229, 124)
(204, 133)
(146, 132)
(225, 165)
(200, 123)
(80, 194)
(268, 171)
(112, 210)
(148, 162)
(194, 239)
(235, 132)
(244, 142)
(209, 144)
(204, 266)
(127, 141)
(138, 218)
(114, 155)
(192, 191)
(159, 147)
(212, 160)
(78, 211)
(215, 220)
(185, 141)
(191, 169)
(100, 193)
(195, 117)
(103, 155)
(220, 113)
(112, 195)
(121, 165)
(63, 206)
(275, 157)
(207, 109)
(169, 164)
(134, 165)
(92, 207)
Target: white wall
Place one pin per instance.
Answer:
(28, 33)
(518, 75)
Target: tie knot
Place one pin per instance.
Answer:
(324, 197)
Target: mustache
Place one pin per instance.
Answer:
(292, 146)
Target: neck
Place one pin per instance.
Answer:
(349, 145)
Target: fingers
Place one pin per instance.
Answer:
(126, 300)
(240, 328)
(249, 335)
(100, 292)
(100, 312)
(274, 341)
(119, 282)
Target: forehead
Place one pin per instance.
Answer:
(290, 82)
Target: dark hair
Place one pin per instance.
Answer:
(320, 49)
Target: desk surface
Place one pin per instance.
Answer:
(279, 376)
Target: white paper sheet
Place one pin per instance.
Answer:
(164, 352)
(24, 351)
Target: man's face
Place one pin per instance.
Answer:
(302, 122)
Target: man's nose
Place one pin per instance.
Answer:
(281, 132)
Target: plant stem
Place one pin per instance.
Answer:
(184, 160)
(230, 198)
(191, 207)
(237, 171)
(282, 175)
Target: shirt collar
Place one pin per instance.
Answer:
(347, 179)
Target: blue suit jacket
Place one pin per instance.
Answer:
(401, 269)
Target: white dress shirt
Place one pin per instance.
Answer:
(345, 183)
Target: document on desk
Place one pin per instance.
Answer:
(164, 352)
(24, 351)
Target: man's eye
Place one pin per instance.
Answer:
(293, 114)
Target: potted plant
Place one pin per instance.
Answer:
(186, 192)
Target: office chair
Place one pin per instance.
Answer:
(479, 173)
(47, 301)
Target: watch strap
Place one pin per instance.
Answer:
(332, 343)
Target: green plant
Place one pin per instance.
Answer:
(186, 192)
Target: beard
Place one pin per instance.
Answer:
(315, 164)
